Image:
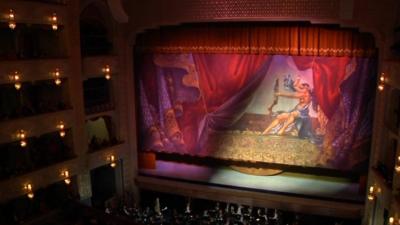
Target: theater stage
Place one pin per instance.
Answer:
(309, 194)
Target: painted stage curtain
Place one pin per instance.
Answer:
(258, 38)
(292, 94)
(221, 87)
(343, 88)
(217, 105)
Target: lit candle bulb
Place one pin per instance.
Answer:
(23, 143)
(67, 181)
(56, 75)
(107, 72)
(21, 136)
(57, 81)
(381, 87)
(16, 78)
(61, 127)
(112, 161)
(28, 188)
(65, 174)
(397, 167)
(11, 22)
(54, 24)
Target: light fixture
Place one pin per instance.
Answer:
(107, 72)
(372, 192)
(54, 19)
(394, 221)
(21, 135)
(382, 80)
(56, 74)
(29, 190)
(397, 165)
(112, 161)
(11, 20)
(61, 127)
(65, 175)
(16, 78)
(391, 220)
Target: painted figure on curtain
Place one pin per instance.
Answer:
(285, 120)
(292, 110)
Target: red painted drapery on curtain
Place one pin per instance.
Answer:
(231, 61)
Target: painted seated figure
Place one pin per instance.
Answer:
(299, 116)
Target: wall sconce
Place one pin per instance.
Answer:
(21, 135)
(16, 78)
(382, 80)
(107, 72)
(391, 220)
(29, 191)
(54, 19)
(112, 161)
(56, 75)
(65, 175)
(372, 192)
(11, 20)
(61, 127)
(394, 221)
(397, 165)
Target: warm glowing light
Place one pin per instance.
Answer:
(21, 135)
(31, 195)
(382, 80)
(12, 25)
(23, 143)
(391, 220)
(11, 14)
(106, 69)
(28, 188)
(107, 72)
(17, 85)
(11, 22)
(57, 81)
(54, 24)
(112, 161)
(397, 166)
(372, 191)
(16, 77)
(65, 174)
(61, 127)
(67, 181)
(56, 74)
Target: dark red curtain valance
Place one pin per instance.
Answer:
(258, 38)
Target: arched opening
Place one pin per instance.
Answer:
(95, 30)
